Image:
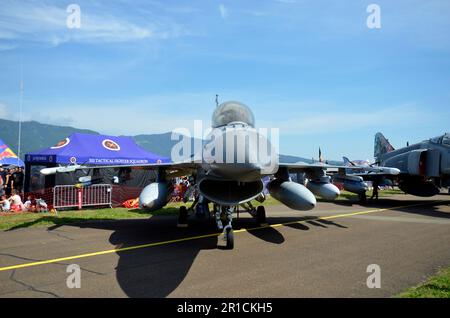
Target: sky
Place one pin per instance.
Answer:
(313, 69)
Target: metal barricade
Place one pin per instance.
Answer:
(69, 196)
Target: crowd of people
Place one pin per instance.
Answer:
(11, 193)
(11, 179)
(14, 203)
(182, 190)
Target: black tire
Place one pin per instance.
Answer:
(261, 215)
(230, 239)
(362, 197)
(182, 216)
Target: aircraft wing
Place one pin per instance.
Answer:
(303, 167)
(172, 169)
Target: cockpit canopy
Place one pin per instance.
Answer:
(444, 139)
(232, 111)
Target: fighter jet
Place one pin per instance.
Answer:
(229, 174)
(424, 167)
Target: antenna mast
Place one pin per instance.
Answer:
(20, 114)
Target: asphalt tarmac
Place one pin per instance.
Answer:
(320, 253)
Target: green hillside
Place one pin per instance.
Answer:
(36, 136)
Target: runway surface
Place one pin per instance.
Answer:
(320, 253)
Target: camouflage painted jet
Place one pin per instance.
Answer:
(424, 167)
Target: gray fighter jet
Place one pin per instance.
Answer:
(229, 174)
(424, 167)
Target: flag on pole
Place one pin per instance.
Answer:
(320, 155)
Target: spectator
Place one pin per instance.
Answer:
(41, 205)
(2, 172)
(18, 179)
(2, 183)
(375, 185)
(4, 204)
(9, 183)
(31, 204)
(16, 201)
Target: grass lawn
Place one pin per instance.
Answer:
(381, 193)
(437, 286)
(22, 220)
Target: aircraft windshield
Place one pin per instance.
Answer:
(436, 140)
(229, 112)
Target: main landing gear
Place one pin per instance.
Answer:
(362, 198)
(199, 207)
(224, 217)
(182, 217)
(258, 213)
(261, 215)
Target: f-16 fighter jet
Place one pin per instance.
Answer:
(228, 169)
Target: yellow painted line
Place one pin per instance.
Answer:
(123, 249)
(340, 215)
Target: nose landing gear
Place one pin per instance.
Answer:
(182, 217)
(225, 215)
(261, 216)
(229, 237)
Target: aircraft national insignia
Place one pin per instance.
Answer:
(111, 145)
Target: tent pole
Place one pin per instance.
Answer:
(20, 115)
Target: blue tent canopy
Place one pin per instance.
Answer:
(8, 157)
(94, 150)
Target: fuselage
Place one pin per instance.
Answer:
(239, 152)
(433, 155)
(424, 167)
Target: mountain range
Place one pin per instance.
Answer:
(36, 136)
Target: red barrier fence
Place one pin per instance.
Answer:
(67, 196)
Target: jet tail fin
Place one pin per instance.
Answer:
(381, 146)
(347, 162)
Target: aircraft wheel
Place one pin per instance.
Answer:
(261, 215)
(362, 197)
(182, 217)
(230, 238)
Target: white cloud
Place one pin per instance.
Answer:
(45, 23)
(3, 111)
(326, 122)
(6, 46)
(223, 11)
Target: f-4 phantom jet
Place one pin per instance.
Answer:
(424, 166)
(228, 170)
